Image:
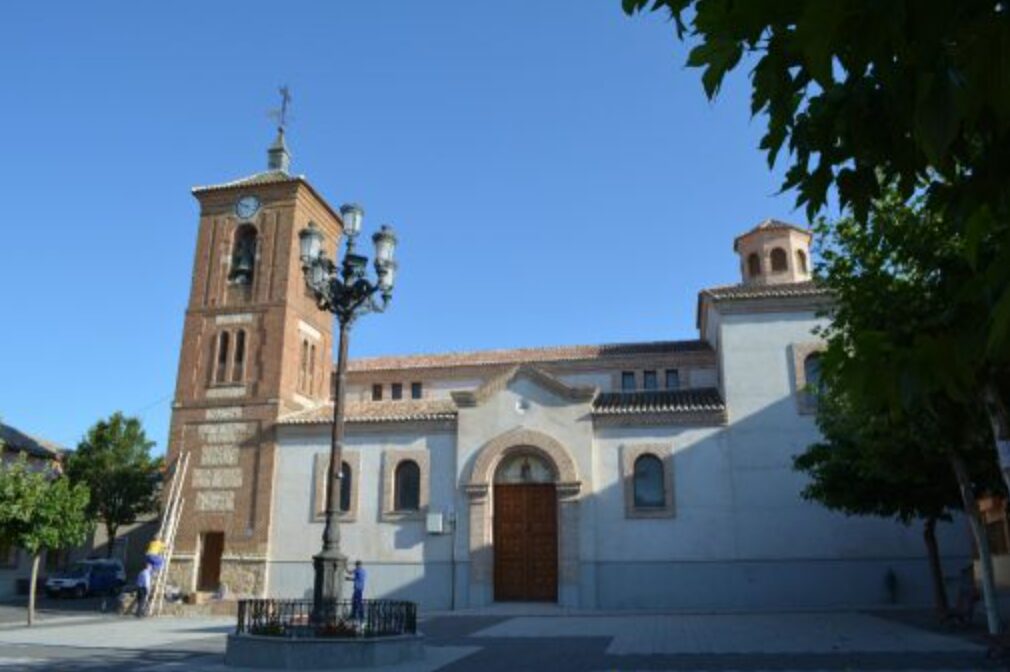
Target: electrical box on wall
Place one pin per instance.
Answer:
(436, 523)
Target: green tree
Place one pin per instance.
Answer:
(40, 510)
(867, 96)
(114, 461)
(891, 278)
(870, 463)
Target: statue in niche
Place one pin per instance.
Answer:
(524, 468)
(525, 471)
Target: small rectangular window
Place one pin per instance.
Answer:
(672, 379)
(649, 380)
(415, 390)
(628, 381)
(377, 392)
(396, 391)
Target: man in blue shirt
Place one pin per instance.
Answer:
(357, 599)
(143, 589)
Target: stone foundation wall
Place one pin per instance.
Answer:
(244, 577)
(180, 573)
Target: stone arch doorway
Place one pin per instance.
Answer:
(519, 477)
(525, 529)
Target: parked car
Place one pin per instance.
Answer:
(88, 577)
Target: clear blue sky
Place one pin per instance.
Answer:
(555, 173)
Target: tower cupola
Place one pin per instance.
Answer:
(278, 156)
(774, 253)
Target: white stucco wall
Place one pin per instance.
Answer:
(796, 552)
(403, 561)
(701, 377)
(742, 537)
(603, 380)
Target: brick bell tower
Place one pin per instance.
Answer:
(254, 347)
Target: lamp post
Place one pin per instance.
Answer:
(342, 288)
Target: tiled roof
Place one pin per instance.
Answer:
(268, 177)
(770, 225)
(743, 291)
(564, 353)
(698, 400)
(16, 440)
(376, 411)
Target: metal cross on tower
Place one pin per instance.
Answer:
(281, 114)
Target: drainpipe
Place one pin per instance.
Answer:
(452, 562)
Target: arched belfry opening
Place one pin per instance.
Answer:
(243, 255)
(524, 520)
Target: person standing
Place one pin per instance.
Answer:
(143, 589)
(357, 598)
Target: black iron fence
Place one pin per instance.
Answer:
(336, 618)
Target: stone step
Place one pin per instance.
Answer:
(205, 608)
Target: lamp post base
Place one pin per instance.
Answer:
(330, 567)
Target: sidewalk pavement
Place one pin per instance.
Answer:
(493, 643)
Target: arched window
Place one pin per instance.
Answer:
(812, 373)
(238, 366)
(650, 491)
(345, 487)
(221, 373)
(753, 264)
(407, 486)
(243, 255)
(780, 262)
(801, 261)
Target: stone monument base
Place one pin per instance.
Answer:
(321, 653)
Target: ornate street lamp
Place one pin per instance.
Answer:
(342, 288)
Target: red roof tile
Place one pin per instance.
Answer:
(565, 353)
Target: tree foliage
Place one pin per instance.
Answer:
(890, 278)
(917, 91)
(114, 461)
(866, 96)
(870, 463)
(39, 510)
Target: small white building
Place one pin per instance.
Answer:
(639, 475)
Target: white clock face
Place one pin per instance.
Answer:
(247, 206)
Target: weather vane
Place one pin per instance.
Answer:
(281, 115)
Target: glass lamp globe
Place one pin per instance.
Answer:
(385, 244)
(310, 239)
(387, 274)
(317, 275)
(352, 215)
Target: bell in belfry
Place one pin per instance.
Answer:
(244, 257)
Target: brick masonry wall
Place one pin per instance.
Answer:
(228, 429)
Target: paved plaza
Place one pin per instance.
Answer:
(543, 641)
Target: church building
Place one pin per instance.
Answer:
(647, 475)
